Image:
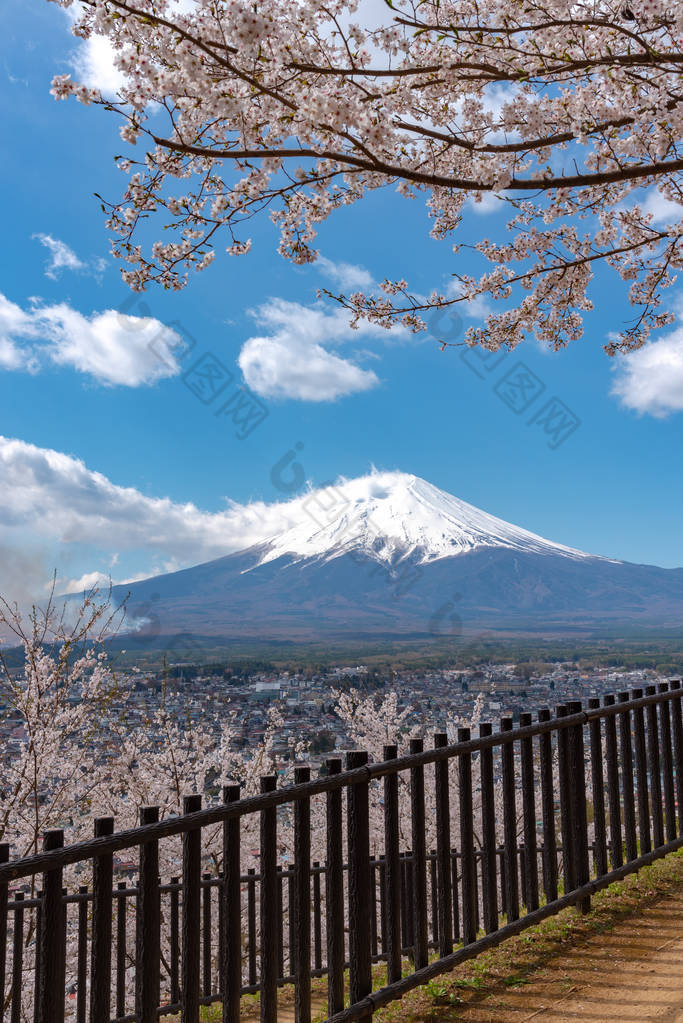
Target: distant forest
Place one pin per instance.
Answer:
(532, 656)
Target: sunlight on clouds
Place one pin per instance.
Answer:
(286, 367)
(293, 362)
(650, 380)
(117, 350)
(93, 65)
(114, 349)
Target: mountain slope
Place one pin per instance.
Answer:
(390, 554)
(392, 514)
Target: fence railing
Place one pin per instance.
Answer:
(503, 830)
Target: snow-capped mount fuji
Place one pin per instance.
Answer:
(389, 554)
(390, 515)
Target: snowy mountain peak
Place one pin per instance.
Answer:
(392, 515)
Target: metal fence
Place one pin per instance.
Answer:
(586, 797)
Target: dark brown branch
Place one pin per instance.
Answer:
(628, 173)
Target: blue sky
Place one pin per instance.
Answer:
(612, 485)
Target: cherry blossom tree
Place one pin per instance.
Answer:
(75, 755)
(78, 754)
(566, 116)
(57, 706)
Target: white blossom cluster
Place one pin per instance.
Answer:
(79, 758)
(294, 108)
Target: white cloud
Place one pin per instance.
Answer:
(88, 581)
(663, 210)
(485, 203)
(292, 361)
(94, 61)
(94, 66)
(14, 323)
(284, 367)
(477, 308)
(56, 495)
(650, 380)
(61, 256)
(346, 275)
(55, 512)
(115, 349)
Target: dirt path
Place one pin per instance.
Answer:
(631, 974)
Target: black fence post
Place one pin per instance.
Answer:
(374, 863)
(207, 932)
(509, 824)
(251, 924)
(405, 936)
(568, 866)
(4, 895)
(577, 775)
(434, 893)
(456, 900)
(147, 921)
(38, 944)
(641, 774)
(121, 951)
(334, 895)
(521, 851)
(269, 906)
(280, 921)
(302, 901)
(174, 940)
(627, 779)
(53, 950)
(383, 903)
(291, 914)
(17, 957)
(392, 870)
(677, 729)
(417, 807)
(667, 765)
(100, 968)
(615, 837)
(489, 883)
(600, 850)
(529, 812)
(476, 858)
(360, 967)
(443, 850)
(469, 928)
(231, 945)
(545, 749)
(410, 904)
(654, 769)
(317, 920)
(81, 958)
(191, 918)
